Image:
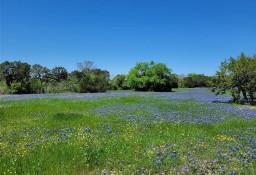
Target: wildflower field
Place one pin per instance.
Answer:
(126, 132)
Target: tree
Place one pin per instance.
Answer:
(96, 80)
(59, 74)
(7, 72)
(239, 76)
(86, 66)
(196, 80)
(38, 74)
(150, 76)
(138, 77)
(174, 80)
(89, 78)
(16, 76)
(159, 77)
(119, 82)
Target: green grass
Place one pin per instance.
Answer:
(64, 136)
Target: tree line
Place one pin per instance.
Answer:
(236, 76)
(21, 78)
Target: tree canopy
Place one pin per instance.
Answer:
(238, 76)
(19, 78)
(119, 82)
(148, 76)
(197, 80)
(16, 76)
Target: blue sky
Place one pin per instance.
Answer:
(189, 36)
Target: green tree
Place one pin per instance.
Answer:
(38, 74)
(174, 79)
(239, 76)
(159, 77)
(59, 74)
(150, 76)
(96, 80)
(119, 82)
(16, 76)
(138, 77)
(197, 80)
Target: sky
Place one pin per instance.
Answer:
(189, 36)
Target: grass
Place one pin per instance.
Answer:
(125, 135)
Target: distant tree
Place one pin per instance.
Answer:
(7, 72)
(150, 76)
(88, 78)
(73, 80)
(196, 80)
(159, 77)
(16, 76)
(101, 79)
(96, 80)
(181, 83)
(38, 74)
(174, 80)
(76, 75)
(59, 74)
(119, 82)
(86, 66)
(138, 77)
(239, 76)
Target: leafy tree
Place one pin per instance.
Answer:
(181, 82)
(59, 74)
(73, 80)
(101, 80)
(96, 80)
(239, 76)
(38, 74)
(7, 72)
(174, 79)
(159, 77)
(89, 79)
(196, 80)
(16, 76)
(138, 77)
(119, 82)
(150, 76)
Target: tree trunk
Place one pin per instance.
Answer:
(244, 95)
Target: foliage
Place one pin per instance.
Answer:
(96, 80)
(174, 79)
(197, 80)
(39, 76)
(147, 76)
(59, 74)
(16, 76)
(239, 76)
(119, 82)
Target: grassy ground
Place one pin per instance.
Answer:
(145, 134)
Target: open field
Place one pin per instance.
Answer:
(182, 132)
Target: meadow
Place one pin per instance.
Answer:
(125, 132)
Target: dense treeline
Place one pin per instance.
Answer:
(237, 75)
(20, 78)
